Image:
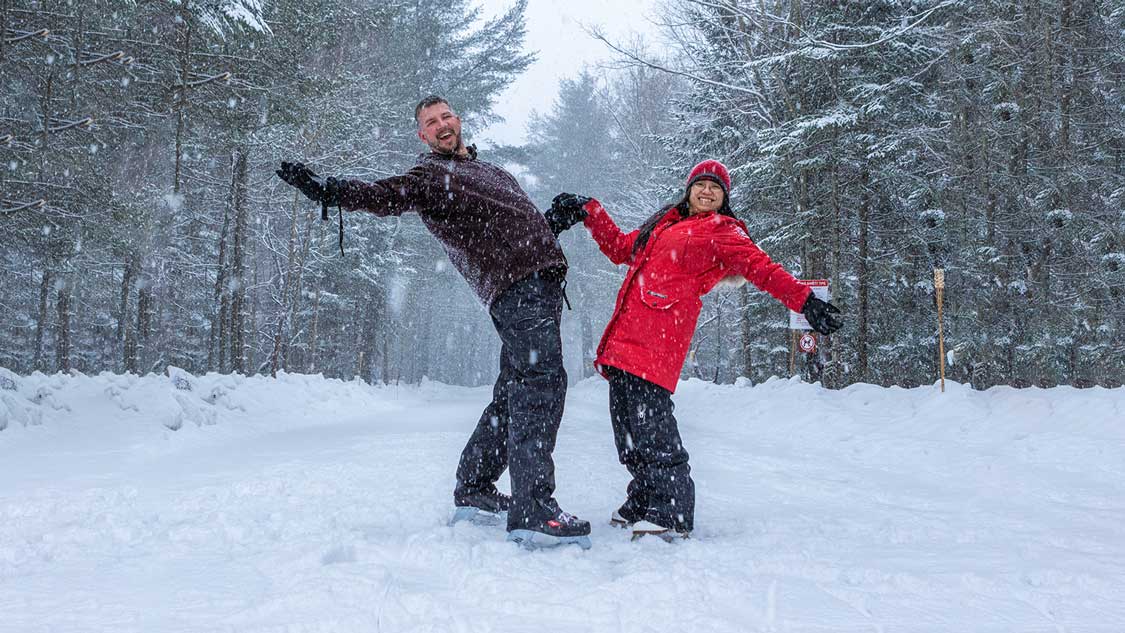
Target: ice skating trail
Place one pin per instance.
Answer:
(305, 504)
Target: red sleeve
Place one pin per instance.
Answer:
(617, 246)
(737, 252)
(390, 196)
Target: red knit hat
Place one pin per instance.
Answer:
(712, 169)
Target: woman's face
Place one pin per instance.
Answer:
(705, 195)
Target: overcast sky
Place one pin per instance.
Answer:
(554, 30)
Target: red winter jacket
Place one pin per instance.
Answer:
(659, 302)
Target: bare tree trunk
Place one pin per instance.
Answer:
(863, 280)
(586, 330)
(834, 378)
(238, 306)
(718, 341)
(745, 330)
(366, 343)
(275, 355)
(129, 353)
(76, 69)
(3, 27)
(216, 339)
(45, 137)
(360, 326)
(313, 336)
(41, 323)
(286, 290)
(813, 257)
(589, 349)
(814, 367)
(128, 276)
(296, 292)
(421, 330)
(144, 325)
(182, 99)
(386, 336)
(1066, 36)
(222, 361)
(251, 335)
(62, 333)
(1046, 375)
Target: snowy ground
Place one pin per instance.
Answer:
(305, 504)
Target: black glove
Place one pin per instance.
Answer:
(566, 211)
(324, 191)
(819, 313)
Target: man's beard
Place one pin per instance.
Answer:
(437, 145)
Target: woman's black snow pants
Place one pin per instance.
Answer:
(649, 445)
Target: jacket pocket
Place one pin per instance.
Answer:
(657, 298)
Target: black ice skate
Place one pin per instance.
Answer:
(557, 528)
(485, 507)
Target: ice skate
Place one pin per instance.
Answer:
(618, 521)
(648, 528)
(488, 507)
(559, 528)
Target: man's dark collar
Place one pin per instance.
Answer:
(471, 154)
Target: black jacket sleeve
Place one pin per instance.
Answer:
(390, 196)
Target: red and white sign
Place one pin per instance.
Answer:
(797, 321)
(807, 344)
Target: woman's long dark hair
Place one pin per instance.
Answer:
(684, 207)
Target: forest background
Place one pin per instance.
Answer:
(142, 226)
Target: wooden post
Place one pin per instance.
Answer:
(939, 288)
(792, 351)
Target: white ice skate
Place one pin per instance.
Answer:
(648, 528)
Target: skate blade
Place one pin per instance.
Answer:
(620, 523)
(476, 516)
(668, 536)
(537, 540)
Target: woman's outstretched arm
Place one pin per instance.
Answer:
(616, 245)
(741, 256)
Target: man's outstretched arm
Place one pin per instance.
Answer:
(389, 196)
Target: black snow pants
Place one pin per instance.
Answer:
(649, 445)
(517, 430)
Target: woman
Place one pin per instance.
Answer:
(675, 258)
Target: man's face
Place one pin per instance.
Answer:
(439, 128)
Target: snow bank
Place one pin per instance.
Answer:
(180, 399)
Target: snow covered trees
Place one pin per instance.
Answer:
(141, 221)
(872, 142)
(141, 225)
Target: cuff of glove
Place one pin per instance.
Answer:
(808, 298)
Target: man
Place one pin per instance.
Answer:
(506, 250)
